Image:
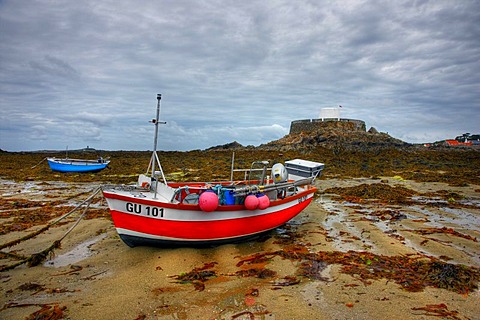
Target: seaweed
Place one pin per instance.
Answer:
(240, 314)
(375, 191)
(287, 281)
(412, 272)
(261, 273)
(439, 310)
(31, 286)
(34, 259)
(197, 276)
(256, 258)
(448, 276)
(445, 230)
(388, 214)
(453, 166)
(48, 312)
(37, 258)
(312, 269)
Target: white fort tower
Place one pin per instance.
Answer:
(330, 113)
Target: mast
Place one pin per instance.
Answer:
(155, 122)
(154, 158)
(159, 97)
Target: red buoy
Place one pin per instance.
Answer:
(251, 202)
(263, 201)
(208, 201)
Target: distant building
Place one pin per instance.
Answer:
(330, 113)
(328, 117)
(466, 139)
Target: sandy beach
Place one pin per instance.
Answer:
(345, 257)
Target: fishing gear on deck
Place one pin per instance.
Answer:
(254, 189)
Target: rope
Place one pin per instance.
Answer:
(38, 163)
(37, 258)
(36, 233)
(78, 220)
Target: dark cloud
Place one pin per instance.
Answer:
(87, 73)
(54, 68)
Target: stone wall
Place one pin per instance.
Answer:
(308, 125)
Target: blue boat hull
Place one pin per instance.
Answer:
(64, 165)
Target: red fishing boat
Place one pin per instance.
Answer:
(154, 212)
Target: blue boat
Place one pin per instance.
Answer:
(77, 165)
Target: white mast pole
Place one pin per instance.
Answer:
(155, 159)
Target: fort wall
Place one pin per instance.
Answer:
(308, 125)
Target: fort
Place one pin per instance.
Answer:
(329, 118)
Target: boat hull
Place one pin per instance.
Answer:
(142, 220)
(66, 165)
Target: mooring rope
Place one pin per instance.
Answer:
(79, 218)
(38, 257)
(39, 163)
(36, 233)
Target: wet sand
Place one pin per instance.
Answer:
(94, 275)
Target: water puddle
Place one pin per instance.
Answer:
(462, 218)
(452, 216)
(79, 253)
(474, 202)
(338, 226)
(11, 188)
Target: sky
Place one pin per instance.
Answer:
(87, 73)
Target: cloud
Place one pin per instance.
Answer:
(88, 73)
(54, 67)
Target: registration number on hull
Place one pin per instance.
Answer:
(145, 210)
(302, 199)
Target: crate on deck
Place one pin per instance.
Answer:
(300, 169)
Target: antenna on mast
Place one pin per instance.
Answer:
(156, 122)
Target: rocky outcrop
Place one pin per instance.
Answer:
(335, 138)
(229, 146)
(333, 135)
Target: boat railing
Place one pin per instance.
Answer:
(184, 192)
(272, 187)
(246, 172)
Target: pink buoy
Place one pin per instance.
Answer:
(208, 201)
(263, 202)
(251, 202)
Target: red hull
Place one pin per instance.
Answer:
(206, 230)
(188, 225)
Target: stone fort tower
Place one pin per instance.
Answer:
(329, 118)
